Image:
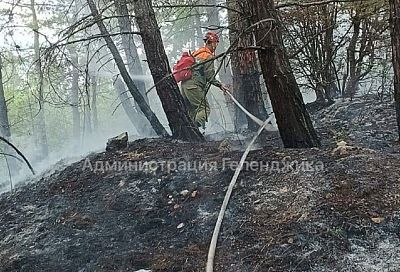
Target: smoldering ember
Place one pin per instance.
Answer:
(208, 135)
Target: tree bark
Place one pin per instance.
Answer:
(293, 120)
(40, 118)
(352, 83)
(246, 76)
(4, 122)
(395, 32)
(237, 24)
(167, 89)
(155, 123)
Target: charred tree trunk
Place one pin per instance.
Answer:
(352, 83)
(293, 120)
(237, 26)
(253, 98)
(246, 75)
(395, 31)
(155, 123)
(4, 122)
(167, 89)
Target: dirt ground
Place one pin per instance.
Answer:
(336, 208)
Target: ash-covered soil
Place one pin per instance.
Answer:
(336, 208)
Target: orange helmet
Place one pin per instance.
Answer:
(211, 37)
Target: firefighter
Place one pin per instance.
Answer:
(194, 90)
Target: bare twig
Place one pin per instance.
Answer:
(18, 152)
(316, 3)
(197, 6)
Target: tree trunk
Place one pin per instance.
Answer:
(5, 129)
(352, 82)
(319, 93)
(395, 31)
(87, 109)
(246, 76)
(155, 123)
(133, 61)
(94, 104)
(133, 115)
(215, 23)
(4, 122)
(293, 120)
(330, 88)
(199, 32)
(130, 49)
(236, 26)
(87, 115)
(41, 122)
(167, 89)
(213, 15)
(76, 117)
(253, 98)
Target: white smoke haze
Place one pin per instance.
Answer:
(16, 37)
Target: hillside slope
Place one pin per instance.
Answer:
(331, 209)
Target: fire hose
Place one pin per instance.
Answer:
(214, 239)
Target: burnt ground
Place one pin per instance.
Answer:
(344, 216)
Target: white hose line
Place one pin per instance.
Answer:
(255, 119)
(213, 244)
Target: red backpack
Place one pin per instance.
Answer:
(181, 70)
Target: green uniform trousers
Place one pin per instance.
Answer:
(196, 101)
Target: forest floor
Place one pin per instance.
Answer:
(336, 208)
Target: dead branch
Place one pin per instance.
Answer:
(197, 6)
(309, 4)
(19, 153)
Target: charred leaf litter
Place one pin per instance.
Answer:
(343, 216)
